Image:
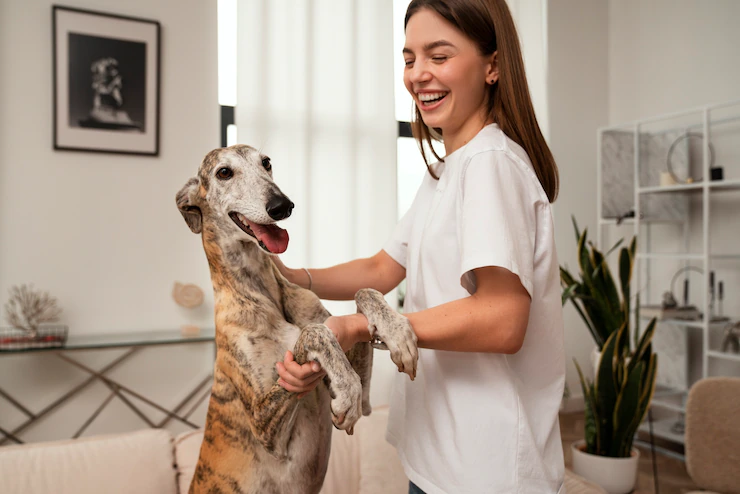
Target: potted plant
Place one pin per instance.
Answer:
(596, 296)
(618, 398)
(615, 404)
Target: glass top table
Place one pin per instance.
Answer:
(133, 342)
(115, 340)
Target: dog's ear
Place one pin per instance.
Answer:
(186, 203)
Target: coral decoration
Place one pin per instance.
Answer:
(27, 309)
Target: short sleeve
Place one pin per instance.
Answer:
(497, 217)
(397, 245)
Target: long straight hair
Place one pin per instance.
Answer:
(488, 23)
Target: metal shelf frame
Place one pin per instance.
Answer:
(642, 230)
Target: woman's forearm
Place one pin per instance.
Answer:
(342, 281)
(472, 325)
(493, 320)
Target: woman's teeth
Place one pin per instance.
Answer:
(431, 97)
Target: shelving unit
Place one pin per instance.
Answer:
(675, 206)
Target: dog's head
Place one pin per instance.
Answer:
(234, 192)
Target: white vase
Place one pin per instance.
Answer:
(616, 475)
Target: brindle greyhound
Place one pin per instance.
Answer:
(260, 438)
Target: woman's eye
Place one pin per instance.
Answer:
(439, 58)
(408, 63)
(224, 173)
(266, 164)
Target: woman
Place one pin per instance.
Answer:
(477, 251)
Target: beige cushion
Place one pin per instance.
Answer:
(381, 471)
(132, 463)
(365, 463)
(712, 434)
(187, 450)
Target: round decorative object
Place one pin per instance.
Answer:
(187, 295)
(687, 135)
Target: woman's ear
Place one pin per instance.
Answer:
(186, 203)
(492, 72)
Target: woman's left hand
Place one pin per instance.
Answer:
(348, 329)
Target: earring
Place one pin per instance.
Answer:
(492, 82)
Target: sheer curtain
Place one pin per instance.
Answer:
(315, 93)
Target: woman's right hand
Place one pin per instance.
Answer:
(284, 270)
(296, 378)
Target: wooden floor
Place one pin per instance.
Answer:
(672, 476)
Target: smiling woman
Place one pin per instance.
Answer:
(476, 249)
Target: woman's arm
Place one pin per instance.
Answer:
(342, 281)
(492, 320)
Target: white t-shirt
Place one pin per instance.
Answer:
(482, 422)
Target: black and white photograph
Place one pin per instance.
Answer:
(106, 82)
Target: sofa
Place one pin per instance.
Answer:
(157, 462)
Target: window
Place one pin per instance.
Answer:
(410, 166)
(227, 69)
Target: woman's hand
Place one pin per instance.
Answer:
(345, 329)
(302, 379)
(299, 378)
(284, 270)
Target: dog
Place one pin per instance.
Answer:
(259, 437)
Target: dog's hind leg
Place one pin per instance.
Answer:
(361, 358)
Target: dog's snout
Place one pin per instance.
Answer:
(279, 207)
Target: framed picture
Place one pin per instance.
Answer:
(106, 82)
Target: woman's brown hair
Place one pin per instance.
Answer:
(488, 23)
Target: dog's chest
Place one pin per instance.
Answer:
(262, 351)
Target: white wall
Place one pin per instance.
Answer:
(670, 55)
(577, 99)
(101, 232)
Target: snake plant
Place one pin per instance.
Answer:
(620, 394)
(618, 398)
(596, 296)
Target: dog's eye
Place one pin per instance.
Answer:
(266, 163)
(224, 173)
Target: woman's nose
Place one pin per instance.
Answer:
(420, 73)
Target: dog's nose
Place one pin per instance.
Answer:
(279, 207)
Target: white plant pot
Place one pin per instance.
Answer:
(616, 475)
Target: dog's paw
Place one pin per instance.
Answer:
(393, 330)
(346, 406)
(400, 339)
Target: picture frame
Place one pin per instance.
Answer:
(106, 74)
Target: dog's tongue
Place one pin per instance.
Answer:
(274, 237)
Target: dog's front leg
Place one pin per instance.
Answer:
(317, 342)
(302, 307)
(392, 328)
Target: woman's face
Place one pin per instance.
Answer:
(445, 74)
